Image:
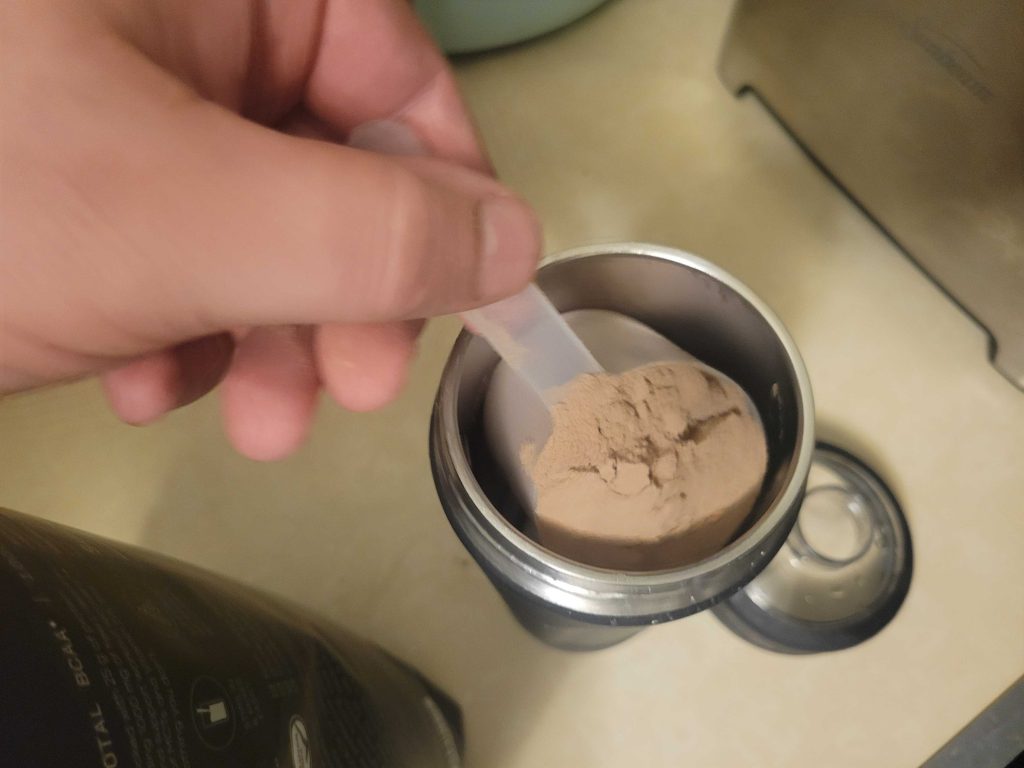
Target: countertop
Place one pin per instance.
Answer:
(618, 129)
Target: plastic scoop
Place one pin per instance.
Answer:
(534, 340)
(541, 351)
(514, 416)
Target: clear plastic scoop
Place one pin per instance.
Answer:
(514, 417)
(534, 340)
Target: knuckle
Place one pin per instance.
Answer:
(403, 275)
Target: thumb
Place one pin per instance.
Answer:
(272, 229)
(186, 220)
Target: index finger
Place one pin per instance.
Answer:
(375, 62)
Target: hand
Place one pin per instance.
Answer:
(178, 207)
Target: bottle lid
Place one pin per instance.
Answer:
(842, 573)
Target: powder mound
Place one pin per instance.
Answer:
(649, 469)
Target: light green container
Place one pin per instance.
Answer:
(461, 26)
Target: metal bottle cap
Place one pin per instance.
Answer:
(842, 573)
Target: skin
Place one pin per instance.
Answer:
(180, 209)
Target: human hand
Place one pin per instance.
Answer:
(178, 208)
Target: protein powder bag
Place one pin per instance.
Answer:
(114, 657)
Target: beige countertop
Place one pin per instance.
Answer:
(618, 129)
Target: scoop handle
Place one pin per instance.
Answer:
(534, 340)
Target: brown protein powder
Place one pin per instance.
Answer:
(650, 469)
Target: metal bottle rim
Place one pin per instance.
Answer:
(592, 593)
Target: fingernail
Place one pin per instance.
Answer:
(510, 237)
(387, 137)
